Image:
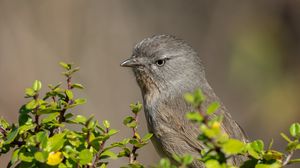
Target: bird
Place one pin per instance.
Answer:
(165, 68)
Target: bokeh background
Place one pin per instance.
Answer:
(250, 50)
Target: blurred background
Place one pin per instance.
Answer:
(251, 51)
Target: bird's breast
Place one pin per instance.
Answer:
(162, 119)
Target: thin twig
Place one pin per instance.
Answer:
(288, 158)
(63, 111)
(100, 151)
(3, 131)
(69, 85)
(37, 122)
(133, 155)
(35, 97)
(53, 98)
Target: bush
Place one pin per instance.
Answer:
(42, 138)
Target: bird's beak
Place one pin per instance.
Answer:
(131, 62)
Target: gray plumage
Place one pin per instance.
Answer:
(166, 68)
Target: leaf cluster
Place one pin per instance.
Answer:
(48, 134)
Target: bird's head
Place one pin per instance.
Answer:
(165, 63)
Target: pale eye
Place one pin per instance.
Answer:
(160, 62)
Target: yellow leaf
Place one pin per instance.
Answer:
(54, 158)
(216, 125)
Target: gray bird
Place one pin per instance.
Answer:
(166, 68)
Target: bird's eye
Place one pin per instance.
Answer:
(160, 62)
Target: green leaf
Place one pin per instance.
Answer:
(26, 127)
(32, 104)
(274, 165)
(194, 116)
(80, 101)
(47, 110)
(137, 135)
(164, 163)
(196, 98)
(29, 92)
(295, 130)
(250, 163)
(292, 146)
(189, 98)
(210, 132)
(212, 164)
(294, 161)
(54, 87)
(233, 146)
(66, 66)
(85, 156)
(24, 110)
(125, 152)
(77, 85)
(3, 123)
(137, 143)
(50, 118)
(147, 137)
(24, 117)
(187, 159)
(74, 70)
(103, 165)
(199, 96)
(213, 107)
(133, 141)
(106, 124)
(135, 108)
(108, 154)
(135, 165)
(256, 149)
(42, 138)
(70, 95)
(91, 125)
(257, 145)
(125, 141)
(252, 152)
(41, 156)
(176, 157)
(11, 136)
(70, 163)
(26, 156)
(273, 155)
(112, 132)
(285, 137)
(69, 115)
(130, 122)
(270, 144)
(24, 164)
(80, 119)
(37, 85)
(56, 142)
(61, 165)
(14, 156)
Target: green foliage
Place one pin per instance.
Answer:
(136, 141)
(219, 148)
(43, 136)
(196, 98)
(295, 130)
